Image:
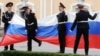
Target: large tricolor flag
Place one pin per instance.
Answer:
(47, 31)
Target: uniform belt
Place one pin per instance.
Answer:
(30, 24)
(82, 21)
(62, 22)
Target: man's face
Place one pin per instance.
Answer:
(61, 8)
(81, 7)
(28, 11)
(9, 8)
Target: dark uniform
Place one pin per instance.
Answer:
(31, 26)
(62, 17)
(7, 16)
(82, 28)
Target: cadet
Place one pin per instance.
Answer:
(62, 19)
(82, 27)
(31, 27)
(7, 16)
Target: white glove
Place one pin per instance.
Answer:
(70, 30)
(9, 21)
(36, 30)
(25, 30)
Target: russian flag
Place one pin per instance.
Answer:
(47, 31)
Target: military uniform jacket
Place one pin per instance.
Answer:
(30, 21)
(62, 17)
(82, 20)
(6, 18)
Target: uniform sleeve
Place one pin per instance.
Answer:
(75, 22)
(11, 16)
(35, 21)
(66, 18)
(92, 17)
(4, 20)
